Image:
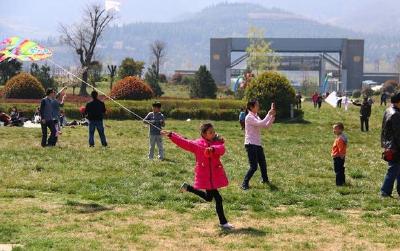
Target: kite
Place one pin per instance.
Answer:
(24, 50)
(332, 99)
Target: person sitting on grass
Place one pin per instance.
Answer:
(339, 153)
(16, 119)
(252, 141)
(209, 172)
(156, 121)
(5, 119)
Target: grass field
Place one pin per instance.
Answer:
(74, 197)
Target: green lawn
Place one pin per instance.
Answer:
(74, 197)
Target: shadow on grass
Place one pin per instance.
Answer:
(87, 208)
(244, 231)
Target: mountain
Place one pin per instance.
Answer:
(188, 39)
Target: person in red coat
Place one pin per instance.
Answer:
(209, 172)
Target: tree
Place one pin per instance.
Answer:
(130, 67)
(113, 70)
(151, 78)
(8, 69)
(43, 75)
(158, 50)
(203, 85)
(261, 56)
(367, 91)
(390, 86)
(94, 71)
(83, 38)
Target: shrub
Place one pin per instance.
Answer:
(390, 86)
(132, 88)
(367, 91)
(272, 87)
(187, 80)
(177, 78)
(356, 93)
(130, 67)
(23, 86)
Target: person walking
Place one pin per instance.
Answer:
(365, 113)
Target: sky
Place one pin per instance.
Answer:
(41, 18)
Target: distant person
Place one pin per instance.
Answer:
(57, 102)
(390, 141)
(339, 153)
(339, 100)
(95, 111)
(365, 113)
(319, 101)
(315, 99)
(5, 119)
(36, 116)
(156, 121)
(252, 141)
(242, 118)
(46, 115)
(346, 102)
(298, 100)
(384, 97)
(16, 119)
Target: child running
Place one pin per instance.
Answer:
(339, 153)
(209, 172)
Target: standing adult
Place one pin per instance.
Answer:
(339, 100)
(365, 113)
(95, 111)
(315, 99)
(390, 141)
(46, 114)
(298, 100)
(57, 102)
(384, 97)
(252, 142)
(319, 100)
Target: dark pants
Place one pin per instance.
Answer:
(93, 125)
(256, 157)
(364, 122)
(51, 141)
(319, 105)
(392, 175)
(338, 165)
(315, 104)
(383, 102)
(339, 103)
(298, 105)
(242, 124)
(208, 195)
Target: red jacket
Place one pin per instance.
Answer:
(209, 172)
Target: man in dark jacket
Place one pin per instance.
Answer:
(365, 113)
(390, 141)
(46, 114)
(95, 111)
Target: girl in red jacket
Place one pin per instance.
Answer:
(209, 172)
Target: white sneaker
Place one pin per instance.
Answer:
(227, 226)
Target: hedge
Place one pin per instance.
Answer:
(172, 109)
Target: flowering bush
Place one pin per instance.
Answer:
(23, 86)
(132, 88)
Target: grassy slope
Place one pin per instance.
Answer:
(75, 198)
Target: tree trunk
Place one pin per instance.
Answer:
(111, 83)
(82, 90)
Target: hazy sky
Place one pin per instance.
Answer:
(40, 18)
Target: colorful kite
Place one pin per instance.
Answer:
(24, 50)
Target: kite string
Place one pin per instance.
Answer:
(110, 98)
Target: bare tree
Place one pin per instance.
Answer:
(158, 49)
(84, 37)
